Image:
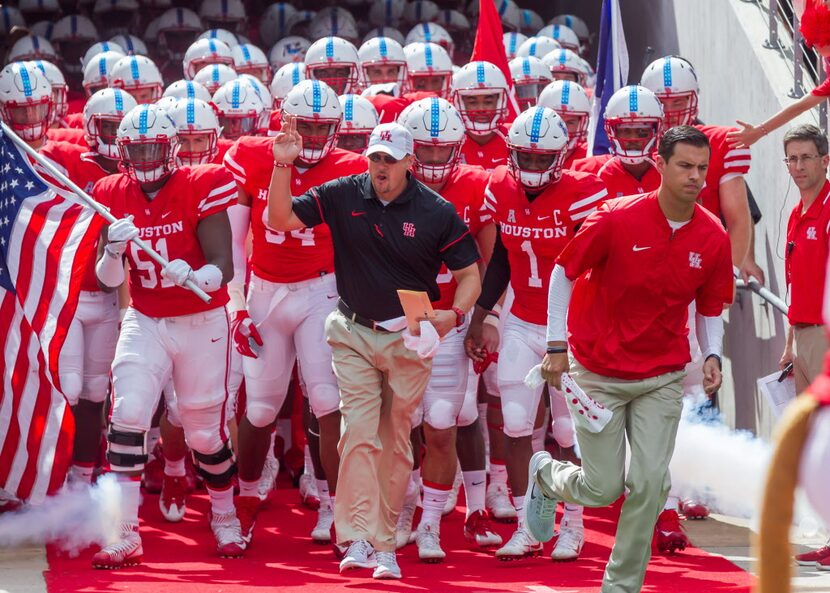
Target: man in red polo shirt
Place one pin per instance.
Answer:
(806, 252)
(634, 267)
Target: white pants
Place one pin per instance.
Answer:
(447, 387)
(291, 320)
(523, 347)
(469, 408)
(193, 350)
(87, 354)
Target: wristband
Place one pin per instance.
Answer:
(493, 314)
(459, 316)
(557, 350)
(279, 165)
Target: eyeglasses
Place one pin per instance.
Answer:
(377, 157)
(792, 161)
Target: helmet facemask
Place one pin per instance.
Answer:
(316, 145)
(534, 168)
(633, 139)
(197, 147)
(434, 165)
(341, 77)
(148, 160)
(679, 109)
(482, 110)
(29, 119)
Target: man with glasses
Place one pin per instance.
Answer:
(389, 232)
(806, 252)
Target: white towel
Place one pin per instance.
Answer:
(426, 344)
(595, 415)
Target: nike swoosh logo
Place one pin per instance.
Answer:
(635, 248)
(331, 297)
(357, 213)
(477, 483)
(214, 340)
(542, 217)
(165, 215)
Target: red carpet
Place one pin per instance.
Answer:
(180, 558)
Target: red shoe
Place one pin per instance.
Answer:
(308, 492)
(172, 501)
(669, 536)
(811, 558)
(153, 477)
(127, 551)
(694, 509)
(477, 530)
(247, 508)
(824, 563)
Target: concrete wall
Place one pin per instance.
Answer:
(739, 79)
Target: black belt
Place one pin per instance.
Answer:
(358, 319)
(805, 325)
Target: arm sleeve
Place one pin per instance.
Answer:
(709, 331)
(240, 219)
(497, 276)
(559, 298)
(591, 245)
(314, 205)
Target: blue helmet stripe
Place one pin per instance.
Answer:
(190, 112)
(667, 73)
(134, 68)
(566, 93)
(119, 100)
(35, 42)
(295, 74)
(27, 83)
(246, 53)
(426, 31)
(214, 72)
(536, 125)
(330, 48)
(480, 72)
(384, 51)
(562, 56)
(428, 56)
(525, 67)
(633, 99)
(533, 48)
(556, 32)
(142, 119)
(333, 17)
(434, 117)
(102, 66)
(316, 96)
(513, 40)
(212, 45)
(235, 94)
(191, 89)
(348, 108)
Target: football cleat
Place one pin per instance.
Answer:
(127, 551)
(521, 545)
(321, 534)
(228, 533)
(824, 563)
(497, 501)
(247, 508)
(811, 558)
(570, 542)
(477, 530)
(172, 501)
(694, 509)
(153, 476)
(669, 536)
(452, 499)
(308, 492)
(268, 478)
(428, 540)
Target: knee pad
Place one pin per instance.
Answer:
(469, 412)
(95, 388)
(441, 414)
(563, 431)
(72, 385)
(260, 414)
(216, 468)
(126, 449)
(518, 422)
(324, 398)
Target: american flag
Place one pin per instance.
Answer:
(47, 236)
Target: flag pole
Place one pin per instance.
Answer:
(87, 199)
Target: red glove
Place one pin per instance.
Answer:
(246, 336)
(480, 366)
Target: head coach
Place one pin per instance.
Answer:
(389, 232)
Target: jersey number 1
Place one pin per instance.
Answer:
(534, 281)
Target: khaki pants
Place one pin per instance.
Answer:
(647, 412)
(810, 346)
(381, 384)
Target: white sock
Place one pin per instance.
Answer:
(475, 488)
(414, 487)
(221, 501)
(308, 467)
(498, 472)
(153, 436)
(572, 514)
(519, 504)
(435, 497)
(248, 488)
(672, 503)
(174, 467)
(82, 473)
(323, 491)
(130, 498)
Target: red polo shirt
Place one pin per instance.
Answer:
(628, 314)
(806, 258)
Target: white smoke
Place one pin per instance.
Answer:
(79, 515)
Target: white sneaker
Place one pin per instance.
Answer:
(428, 540)
(570, 542)
(521, 545)
(321, 534)
(360, 554)
(403, 531)
(387, 567)
(308, 492)
(127, 551)
(269, 476)
(228, 533)
(497, 500)
(452, 499)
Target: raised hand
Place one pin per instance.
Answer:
(287, 143)
(746, 137)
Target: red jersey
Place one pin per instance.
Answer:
(168, 223)
(74, 119)
(298, 255)
(628, 316)
(805, 259)
(489, 155)
(618, 180)
(80, 166)
(535, 232)
(823, 90)
(72, 135)
(464, 190)
(75, 101)
(580, 151)
(224, 145)
(725, 163)
(591, 164)
(274, 122)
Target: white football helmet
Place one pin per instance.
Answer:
(204, 52)
(480, 79)
(103, 111)
(166, 103)
(224, 14)
(530, 22)
(288, 50)
(188, 89)
(285, 79)
(571, 102)
(334, 61)
(564, 63)
(214, 76)
(537, 131)
(26, 100)
(130, 44)
(43, 29)
(386, 13)
(53, 74)
(454, 21)
(429, 68)
(674, 82)
(98, 71)
(139, 76)
(99, 48)
(420, 11)
(300, 20)
(564, 35)
(510, 14)
(147, 143)
(32, 47)
(537, 47)
(70, 37)
(431, 33)
(387, 32)
(434, 122)
(273, 24)
(36, 10)
(228, 38)
(115, 16)
(177, 30)
(577, 25)
(359, 119)
(317, 109)
(10, 17)
(249, 59)
(264, 94)
(334, 21)
(633, 123)
(512, 42)
(530, 76)
(378, 57)
(198, 130)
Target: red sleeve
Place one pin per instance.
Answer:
(822, 90)
(719, 289)
(591, 245)
(736, 161)
(102, 192)
(216, 189)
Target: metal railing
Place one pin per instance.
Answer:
(805, 61)
(763, 292)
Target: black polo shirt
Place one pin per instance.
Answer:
(379, 249)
